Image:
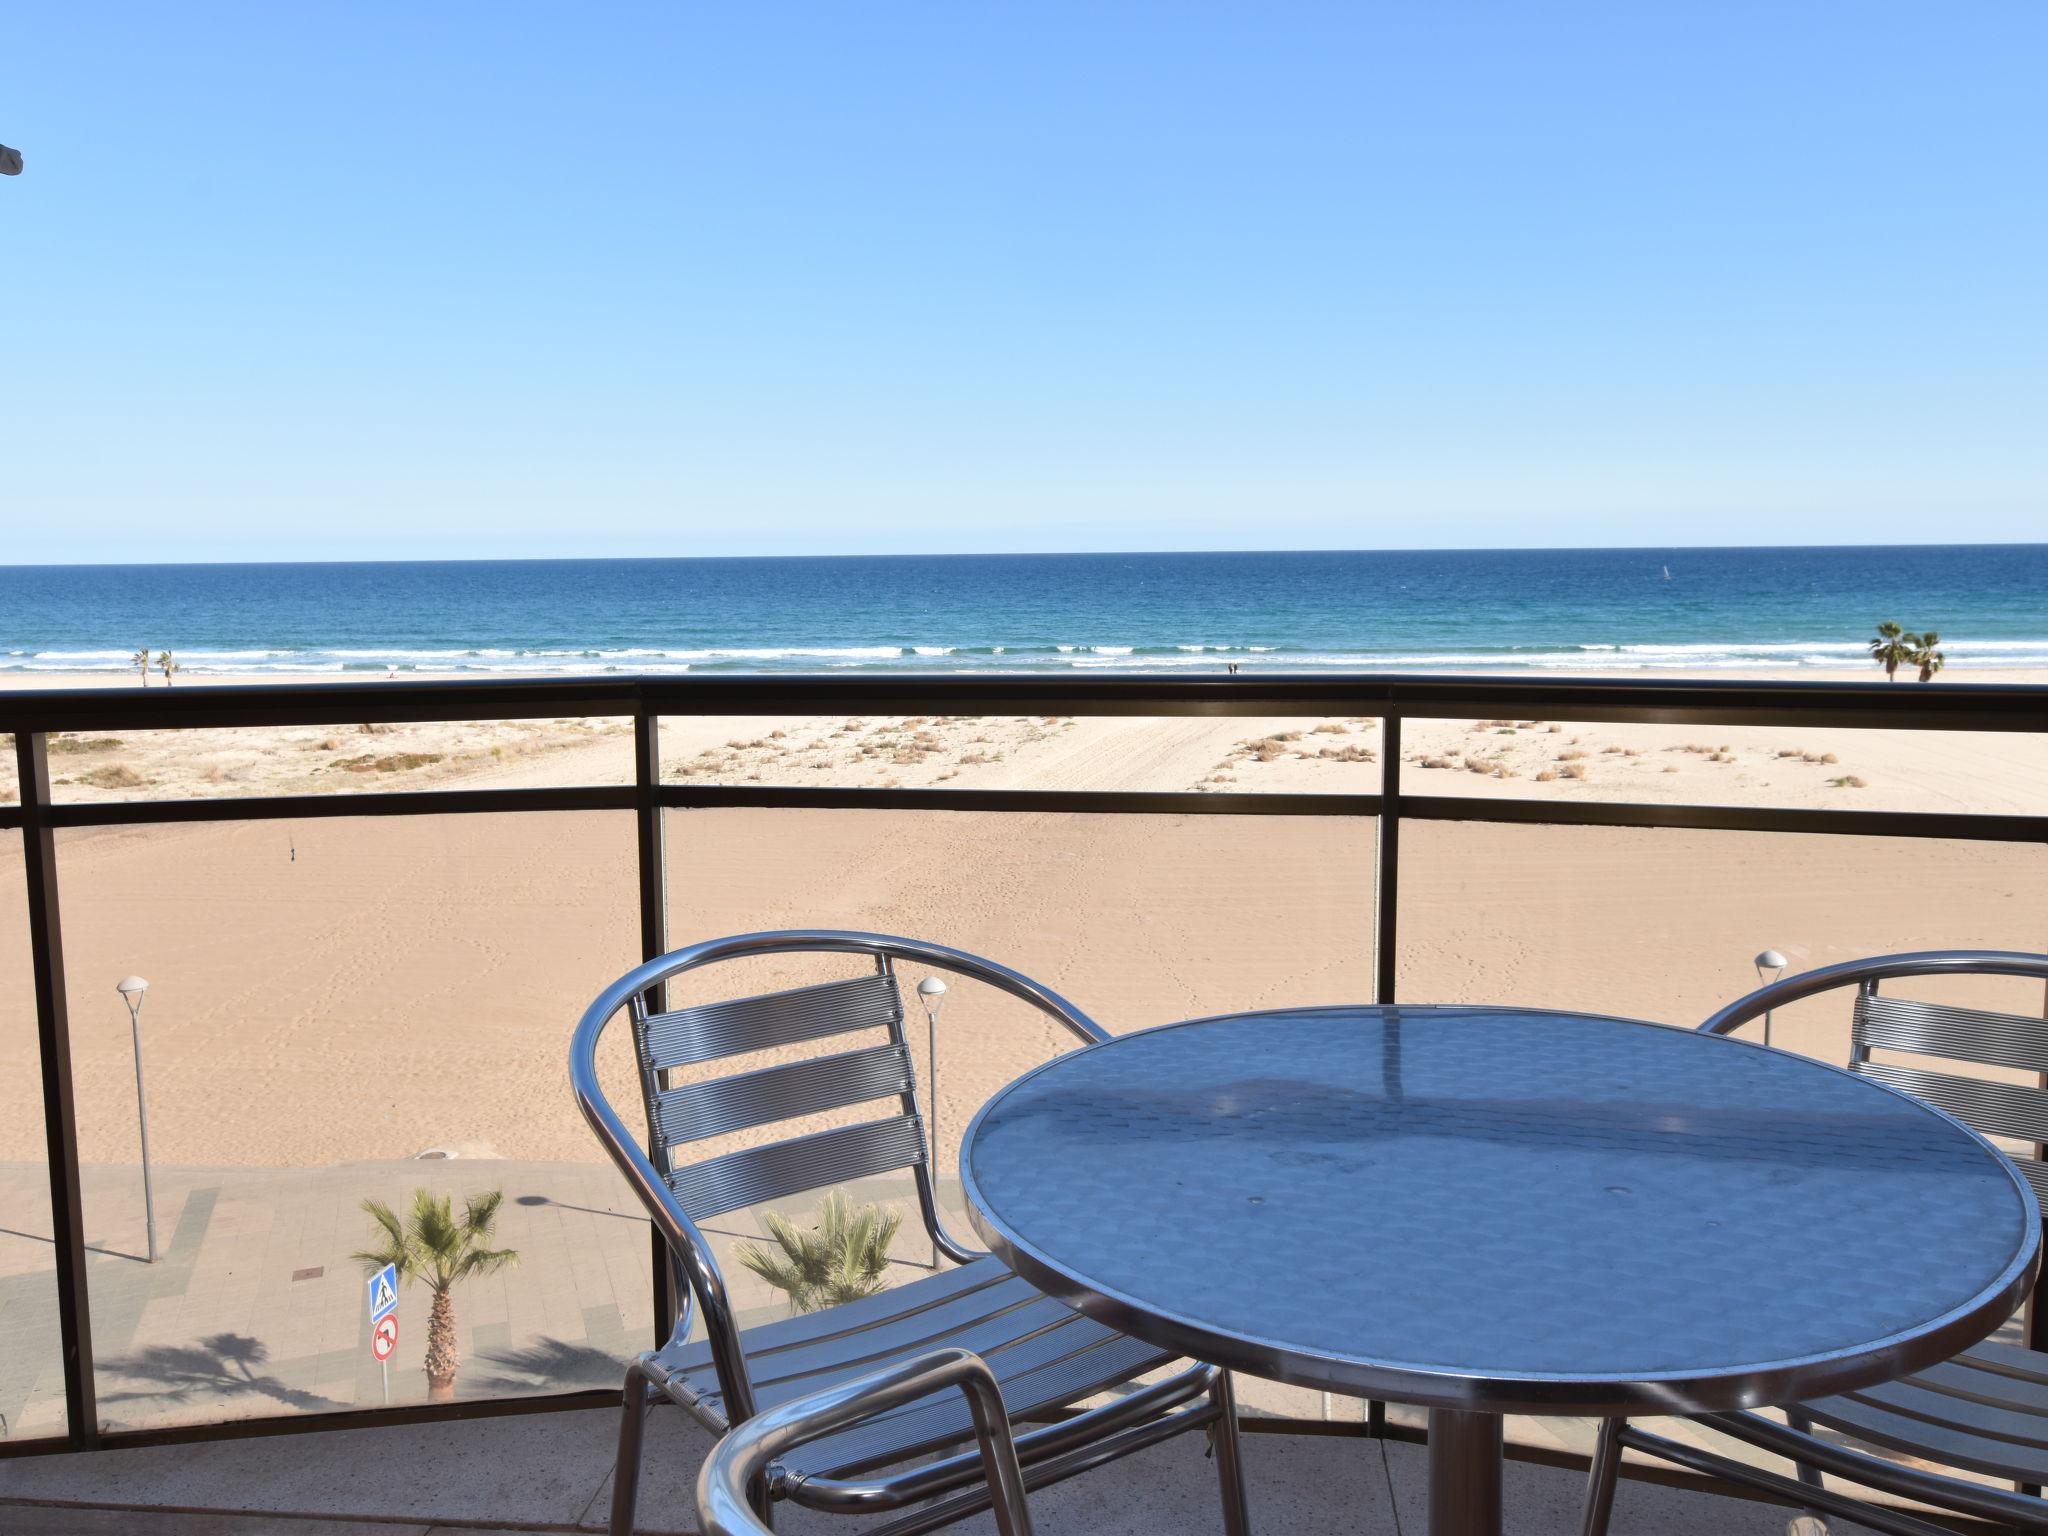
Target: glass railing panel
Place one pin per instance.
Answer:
(341, 1012)
(1137, 920)
(31, 1358)
(1666, 925)
(1799, 767)
(91, 767)
(1181, 754)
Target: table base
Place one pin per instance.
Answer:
(1464, 1473)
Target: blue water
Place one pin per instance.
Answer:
(1557, 610)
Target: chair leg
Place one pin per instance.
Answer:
(1601, 1477)
(1808, 1522)
(632, 1433)
(1237, 1515)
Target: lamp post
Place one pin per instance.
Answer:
(1773, 962)
(131, 989)
(931, 992)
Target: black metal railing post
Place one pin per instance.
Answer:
(651, 862)
(1387, 896)
(60, 1111)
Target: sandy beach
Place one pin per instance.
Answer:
(333, 990)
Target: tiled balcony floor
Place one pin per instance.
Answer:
(551, 1472)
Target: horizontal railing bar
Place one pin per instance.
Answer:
(1968, 826)
(1126, 802)
(1705, 818)
(421, 802)
(337, 1419)
(1679, 701)
(1959, 826)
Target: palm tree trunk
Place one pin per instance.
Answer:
(443, 1357)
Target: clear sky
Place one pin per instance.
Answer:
(386, 280)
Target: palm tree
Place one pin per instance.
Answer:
(432, 1245)
(1892, 647)
(140, 661)
(1925, 656)
(843, 1259)
(167, 664)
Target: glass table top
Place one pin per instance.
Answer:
(1516, 1209)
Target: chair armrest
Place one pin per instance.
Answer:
(735, 1467)
(1940, 962)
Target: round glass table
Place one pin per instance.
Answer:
(1486, 1211)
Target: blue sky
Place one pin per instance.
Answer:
(377, 280)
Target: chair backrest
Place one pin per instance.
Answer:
(680, 1193)
(732, 1474)
(2012, 1111)
(679, 1116)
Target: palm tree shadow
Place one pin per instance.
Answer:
(553, 1363)
(222, 1365)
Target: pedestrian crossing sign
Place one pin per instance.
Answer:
(383, 1292)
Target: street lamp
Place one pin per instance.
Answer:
(131, 989)
(1773, 962)
(931, 993)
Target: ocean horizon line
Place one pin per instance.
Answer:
(1015, 554)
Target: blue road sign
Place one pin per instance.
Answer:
(383, 1292)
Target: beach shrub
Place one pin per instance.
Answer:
(1575, 770)
(62, 744)
(843, 1258)
(112, 776)
(1546, 776)
(396, 762)
(1847, 781)
(1572, 756)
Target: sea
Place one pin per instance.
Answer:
(1559, 610)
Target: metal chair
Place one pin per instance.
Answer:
(742, 1461)
(1985, 1411)
(1046, 1356)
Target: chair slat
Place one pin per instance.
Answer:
(1963, 1034)
(1028, 1387)
(1915, 1399)
(697, 1110)
(1954, 1447)
(1965, 1378)
(689, 1035)
(1996, 1109)
(755, 1174)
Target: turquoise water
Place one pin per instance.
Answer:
(1487, 610)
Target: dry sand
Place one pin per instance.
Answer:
(333, 990)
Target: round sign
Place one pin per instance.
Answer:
(384, 1336)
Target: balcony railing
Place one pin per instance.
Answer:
(1375, 891)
